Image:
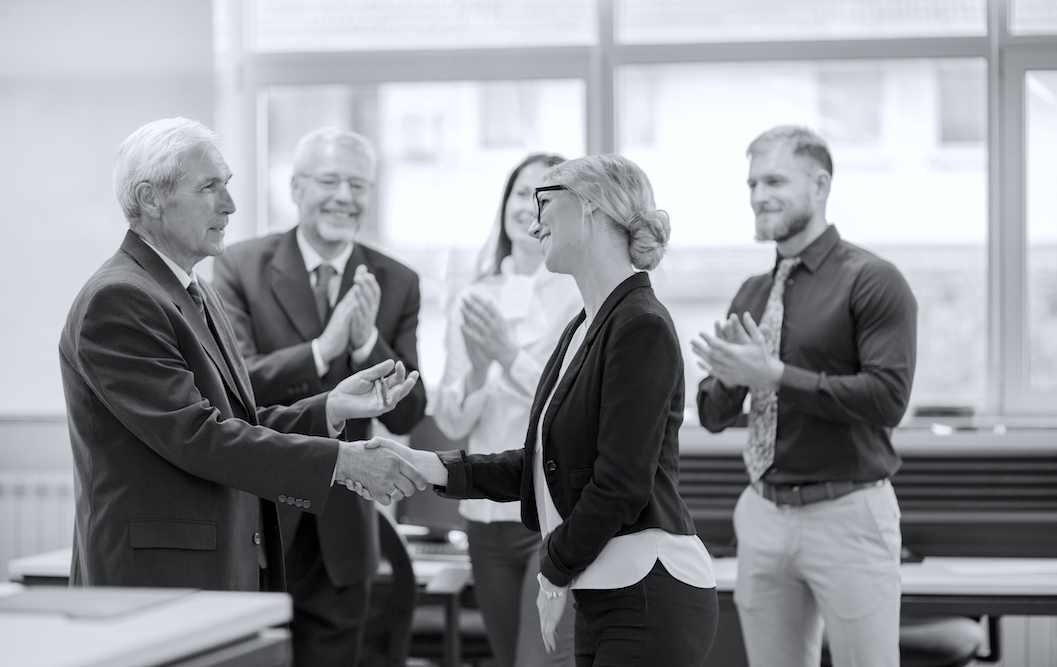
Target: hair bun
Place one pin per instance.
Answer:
(648, 233)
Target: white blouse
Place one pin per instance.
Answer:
(537, 307)
(626, 559)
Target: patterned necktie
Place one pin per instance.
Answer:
(763, 414)
(321, 290)
(196, 296)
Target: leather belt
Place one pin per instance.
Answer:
(797, 495)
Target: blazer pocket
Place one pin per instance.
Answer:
(172, 534)
(578, 479)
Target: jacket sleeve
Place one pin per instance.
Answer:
(134, 356)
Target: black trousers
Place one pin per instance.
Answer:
(657, 621)
(327, 628)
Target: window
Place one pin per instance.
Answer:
(454, 93)
(889, 194)
(1041, 134)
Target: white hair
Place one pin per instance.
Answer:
(325, 136)
(151, 155)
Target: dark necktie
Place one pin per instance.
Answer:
(763, 412)
(324, 273)
(196, 296)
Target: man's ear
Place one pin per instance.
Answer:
(147, 197)
(296, 189)
(823, 179)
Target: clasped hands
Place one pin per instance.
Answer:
(487, 338)
(737, 355)
(369, 469)
(353, 320)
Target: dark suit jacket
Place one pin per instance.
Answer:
(610, 436)
(169, 459)
(267, 292)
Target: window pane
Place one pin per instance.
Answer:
(1040, 137)
(1033, 17)
(370, 25)
(684, 21)
(444, 150)
(901, 188)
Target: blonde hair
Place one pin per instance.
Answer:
(621, 190)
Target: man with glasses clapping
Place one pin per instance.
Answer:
(310, 307)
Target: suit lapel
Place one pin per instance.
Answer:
(360, 256)
(153, 264)
(290, 284)
(230, 348)
(640, 279)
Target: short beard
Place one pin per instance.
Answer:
(332, 234)
(786, 229)
(792, 227)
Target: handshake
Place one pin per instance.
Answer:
(379, 469)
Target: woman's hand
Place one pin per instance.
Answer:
(486, 334)
(551, 605)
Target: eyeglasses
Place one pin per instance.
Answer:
(540, 204)
(330, 183)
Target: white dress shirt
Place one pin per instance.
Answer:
(536, 308)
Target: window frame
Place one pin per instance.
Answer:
(243, 78)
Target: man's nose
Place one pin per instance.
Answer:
(534, 229)
(226, 204)
(344, 191)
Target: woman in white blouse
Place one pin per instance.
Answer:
(501, 330)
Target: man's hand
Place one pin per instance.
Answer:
(737, 355)
(367, 295)
(376, 472)
(371, 392)
(334, 341)
(428, 463)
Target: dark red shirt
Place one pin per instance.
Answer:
(849, 341)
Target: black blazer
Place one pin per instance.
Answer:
(610, 436)
(268, 297)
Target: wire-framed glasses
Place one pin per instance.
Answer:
(331, 182)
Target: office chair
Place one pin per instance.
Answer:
(387, 635)
(405, 622)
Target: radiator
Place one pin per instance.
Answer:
(36, 514)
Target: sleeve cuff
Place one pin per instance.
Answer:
(321, 365)
(459, 478)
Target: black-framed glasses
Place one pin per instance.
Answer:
(545, 188)
(331, 182)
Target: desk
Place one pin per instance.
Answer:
(943, 586)
(140, 627)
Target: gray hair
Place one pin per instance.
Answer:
(324, 136)
(801, 140)
(621, 190)
(151, 154)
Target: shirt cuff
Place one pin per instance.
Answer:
(321, 365)
(335, 431)
(360, 354)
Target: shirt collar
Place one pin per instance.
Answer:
(184, 277)
(313, 259)
(816, 253)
